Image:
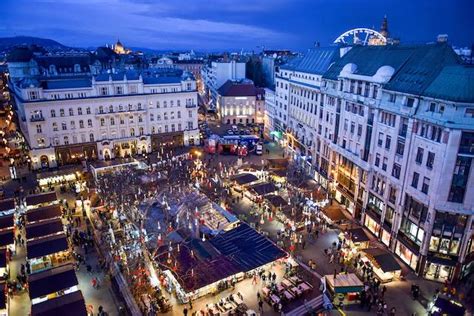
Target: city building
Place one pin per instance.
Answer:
(215, 74)
(240, 102)
(389, 131)
(77, 111)
(120, 49)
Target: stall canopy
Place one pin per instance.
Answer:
(6, 221)
(52, 281)
(71, 304)
(42, 213)
(6, 237)
(279, 173)
(46, 246)
(264, 188)
(276, 200)
(3, 258)
(383, 259)
(357, 235)
(240, 249)
(334, 213)
(244, 178)
(7, 205)
(277, 163)
(345, 283)
(449, 307)
(36, 199)
(44, 228)
(3, 298)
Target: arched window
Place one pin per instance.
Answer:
(112, 121)
(153, 130)
(66, 140)
(88, 110)
(132, 132)
(79, 111)
(91, 137)
(81, 124)
(141, 130)
(111, 109)
(102, 122)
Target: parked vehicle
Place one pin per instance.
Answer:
(259, 149)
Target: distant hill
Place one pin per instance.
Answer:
(9, 42)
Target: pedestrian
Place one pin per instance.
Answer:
(185, 311)
(393, 311)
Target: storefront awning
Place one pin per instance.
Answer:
(382, 259)
(442, 261)
(71, 304)
(44, 228)
(46, 246)
(41, 198)
(334, 213)
(51, 281)
(42, 213)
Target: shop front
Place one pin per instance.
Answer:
(344, 288)
(345, 197)
(72, 154)
(408, 252)
(386, 235)
(440, 267)
(46, 252)
(167, 140)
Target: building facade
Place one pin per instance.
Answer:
(388, 130)
(69, 119)
(240, 102)
(216, 74)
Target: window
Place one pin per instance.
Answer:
(430, 160)
(190, 114)
(53, 113)
(141, 131)
(111, 109)
(63, 126)
(414, 181)
(179, 114)
(139, 106)
(91, 137)
(190, 125)
(81, 124)
(61, 112)
(419, 156)
(384, 164)
(55, 127)
(377, 160)
(410, 102)
(380, 140)
(71, 112)
(102, 122)
(38, 128)
(388, 141)
(89, 123)
(132, 132)
(101, 109)
(79, 111)
(359, 130)
(392, 97)
(152, 117)
(396, 170)
(400, 147)
(73, 125)
(119, 90)
(140, 119)
(33, 95)
(88, 110)
(432, 107)
(112, 121)
(392, 195)
(66, 140)
(426, 185)
(104, 91)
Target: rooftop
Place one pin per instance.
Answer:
(237, 89)
(454, 83)
(315, 61)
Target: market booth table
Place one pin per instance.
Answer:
(52, 283)
(45, 252)
(71, 304)
(345, 287)
(385, 266)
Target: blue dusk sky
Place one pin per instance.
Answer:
(232, 24)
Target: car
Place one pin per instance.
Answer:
(235, 128)
(259, 149)
(230, 132)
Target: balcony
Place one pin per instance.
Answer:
(37, 118)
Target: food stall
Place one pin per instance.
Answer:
(7, 239)
(333, 214)
(344, 288)
(385, 266)
(356, 238)
(446, 306)
(256, 192)
(42, 199)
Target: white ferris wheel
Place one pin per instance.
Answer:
(361, 36)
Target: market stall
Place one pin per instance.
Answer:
(44, 228)
(42, 199)
(42, 213)
(446, 306)
(256, 192)
(385, 266)
(344, 287)
(46, 252)
(356, 238)
(333, 214)
(52, 283)
(7, 206)
(71, 304)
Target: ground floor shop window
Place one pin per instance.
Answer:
(372, 225)
(386, 237)
(406, 255)
(438, 272)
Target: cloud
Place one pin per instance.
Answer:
(140, 23)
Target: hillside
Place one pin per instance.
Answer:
(9, 42)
